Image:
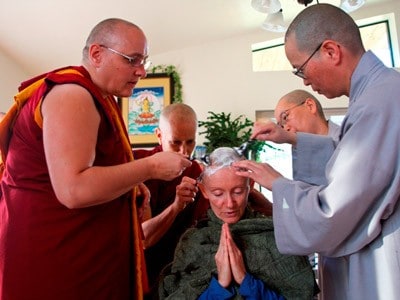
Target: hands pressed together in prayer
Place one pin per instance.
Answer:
(229, 260)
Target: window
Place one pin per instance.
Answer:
(377, 33)
(270, 56)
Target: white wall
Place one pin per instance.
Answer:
(218, 76)
(11, 75)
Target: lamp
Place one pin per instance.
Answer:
(274, 22)
(266, 6)
(306, 2)
(351, 5)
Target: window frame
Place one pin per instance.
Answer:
(278, 44)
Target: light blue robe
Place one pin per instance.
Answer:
(350, 212)
(334, 131)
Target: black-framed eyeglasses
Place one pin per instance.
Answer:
(283, 117)
(300, 70)
(134, 61)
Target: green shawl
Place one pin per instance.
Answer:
(194, 264)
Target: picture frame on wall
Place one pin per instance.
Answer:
(141, 111)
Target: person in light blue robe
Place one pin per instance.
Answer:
(344, 200)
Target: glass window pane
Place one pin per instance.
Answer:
(376, 36)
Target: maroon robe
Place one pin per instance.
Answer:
(50, 252)
(163, 195)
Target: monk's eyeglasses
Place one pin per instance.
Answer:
(285, 114)
(300, 71)
(134, 61)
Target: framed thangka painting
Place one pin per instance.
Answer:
(141, 111)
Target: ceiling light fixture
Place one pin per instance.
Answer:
(305, 2)
(351, 5)
(274, 21)
(266, 6)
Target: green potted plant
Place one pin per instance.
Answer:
(221, 130)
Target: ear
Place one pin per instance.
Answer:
(311, 106)
(332, 50)
(203, 190)
(158, 135)
(95, 54)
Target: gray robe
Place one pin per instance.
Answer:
(343, 201)
(334, 131)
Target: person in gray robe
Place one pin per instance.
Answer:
(301, 111)
(344, 200)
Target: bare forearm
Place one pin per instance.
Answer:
(96, 185)
(70, 136)
(157, 226)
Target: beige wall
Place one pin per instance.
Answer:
(10, 77)
(217, 76)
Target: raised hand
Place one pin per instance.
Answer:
(262, 173)
(167, 165)
(185, 192)
(267, 130)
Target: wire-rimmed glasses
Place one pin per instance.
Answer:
(134, 61)
(300, 70)
(283, 117)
